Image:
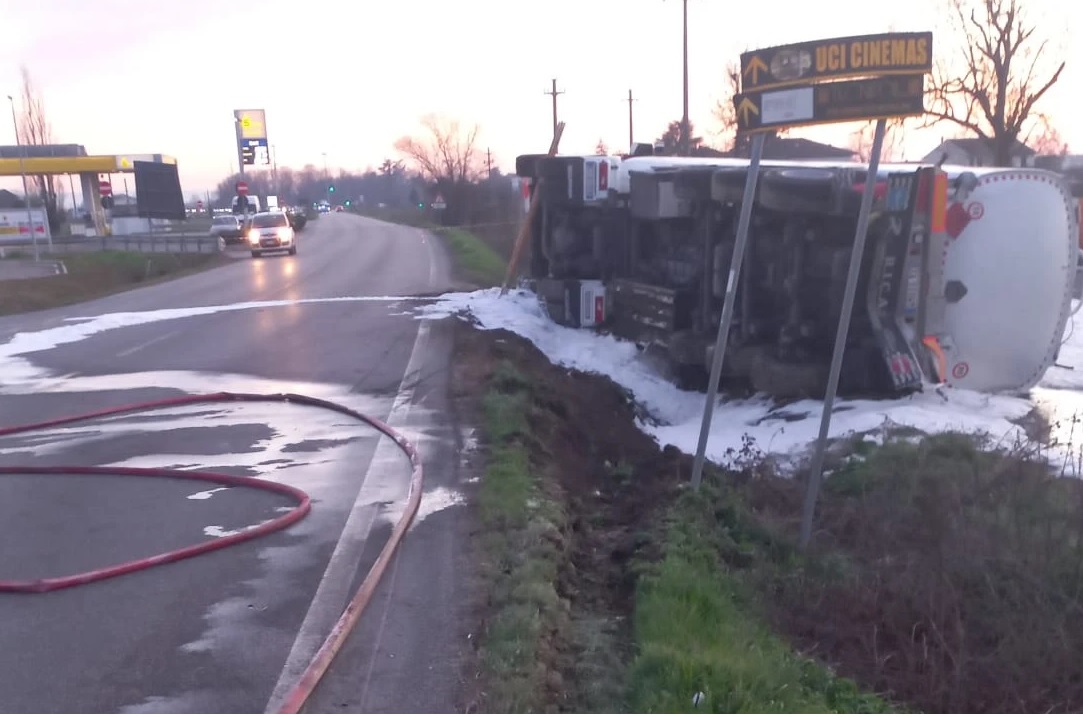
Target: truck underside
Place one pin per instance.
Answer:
(653, 265)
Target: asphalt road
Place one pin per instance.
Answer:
(229, 631)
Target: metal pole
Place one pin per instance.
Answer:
(631, 133)
(554, 93)
(686, 141)
(816, 468)
(274, 168)
(743, 222)
(22, 172)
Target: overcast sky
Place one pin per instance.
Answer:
(348, 77)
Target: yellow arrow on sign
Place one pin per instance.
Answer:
(746, 107)
(755, 67)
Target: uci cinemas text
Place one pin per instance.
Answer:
(872, 55)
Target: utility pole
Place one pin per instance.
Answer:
(685, 143)
(554, 94)
(489, 162)
(631, 132)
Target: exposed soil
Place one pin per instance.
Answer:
(611, 477)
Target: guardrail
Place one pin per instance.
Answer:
(146, 243)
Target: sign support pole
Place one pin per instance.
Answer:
(721, 341)
(816, 468)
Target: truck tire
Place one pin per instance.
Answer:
(256, 254)
(804, 190)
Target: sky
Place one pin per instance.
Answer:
(349, 77)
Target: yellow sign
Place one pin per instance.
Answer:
(744, 107)
(253, 123)
(893, 53)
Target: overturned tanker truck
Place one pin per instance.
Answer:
(967, 278)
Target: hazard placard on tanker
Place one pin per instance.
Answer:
(894, 53)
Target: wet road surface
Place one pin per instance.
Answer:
(230, 631)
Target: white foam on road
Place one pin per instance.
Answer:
(15, 370)
(675, 415)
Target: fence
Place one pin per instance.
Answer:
(146, 243)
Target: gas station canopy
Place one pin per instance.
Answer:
(13, 166)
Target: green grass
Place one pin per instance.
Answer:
(479, 264)
(699, 636)
(522, 538)
(475, 260)
(93, 274)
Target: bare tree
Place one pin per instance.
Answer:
(1045, 138)
(1004, 70)
(448, 154)
(861, 140)
(35, 129)
(724, 112)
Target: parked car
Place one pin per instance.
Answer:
(227, 229)
(271, 231)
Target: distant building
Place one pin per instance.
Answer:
(796, 149)
(1070, 166)
(977, 152)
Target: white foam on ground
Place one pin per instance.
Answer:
(16, 370)
(676, 414)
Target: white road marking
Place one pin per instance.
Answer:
(147, 344)
(333, 592)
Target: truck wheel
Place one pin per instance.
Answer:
(293, 250)
(797, 190)
(256, 254)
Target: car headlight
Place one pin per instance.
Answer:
(284, 234)
(253, 236)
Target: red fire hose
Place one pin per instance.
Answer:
(297, 696)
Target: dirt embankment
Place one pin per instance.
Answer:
(944, 578)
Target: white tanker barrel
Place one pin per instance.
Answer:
(1009, 271)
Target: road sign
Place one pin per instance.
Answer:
(255, 151)
(252, 123)
(105, 189)
(845, 101)
(439, 203)
(804, 63)
(242, 189)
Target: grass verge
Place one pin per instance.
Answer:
(475, 260)
(947, 574)
(701, 644)
(478, 263)
(92, 275)
(523, 527)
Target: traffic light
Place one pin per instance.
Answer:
(347, 202)
(331, 189)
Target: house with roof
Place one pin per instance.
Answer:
(10, 200)
(977, 152)
(794, 149)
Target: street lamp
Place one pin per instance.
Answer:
(22, 171)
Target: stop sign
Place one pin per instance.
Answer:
(242, 188)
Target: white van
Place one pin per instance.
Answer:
(254, 206)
